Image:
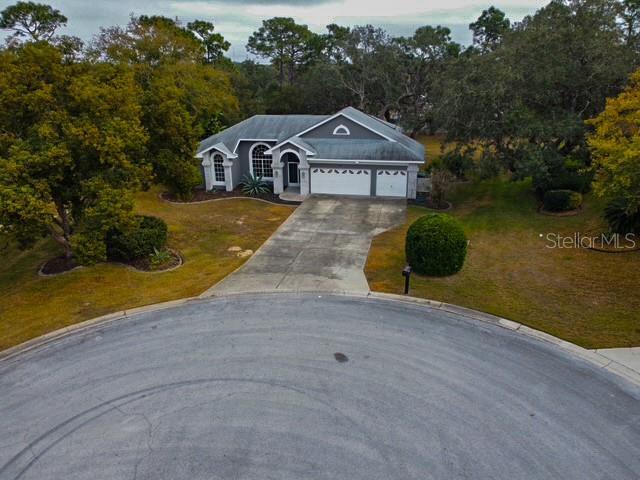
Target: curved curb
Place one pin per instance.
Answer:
(171, 202)
(590, 356)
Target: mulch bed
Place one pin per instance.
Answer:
(202, 195)
(58, 265)
(568, 213)
(144, 264)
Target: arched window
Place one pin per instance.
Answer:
(341, 130)
(218, 168)
(261, 162)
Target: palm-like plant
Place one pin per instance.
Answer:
(254, 186)
(159, 257)
(619, 219)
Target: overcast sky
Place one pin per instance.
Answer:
(237, 19)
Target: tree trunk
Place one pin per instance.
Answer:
(65, 239)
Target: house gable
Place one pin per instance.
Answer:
(342, 127)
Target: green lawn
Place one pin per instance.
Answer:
(31, 305)
(587, 297)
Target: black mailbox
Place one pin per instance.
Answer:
(406, 273)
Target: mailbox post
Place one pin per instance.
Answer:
(406, 273)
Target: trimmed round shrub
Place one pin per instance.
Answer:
(436, 245)
(150, 234)
(561, 200)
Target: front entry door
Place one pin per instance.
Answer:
(294, 179)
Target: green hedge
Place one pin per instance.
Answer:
(561, 200)
(126, 246)
(436, 245)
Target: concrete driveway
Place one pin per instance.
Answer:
(253, 387)
(323, 246)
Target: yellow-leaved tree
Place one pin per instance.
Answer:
(615, 148)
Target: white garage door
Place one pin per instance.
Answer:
(341, 181)
(391, 183)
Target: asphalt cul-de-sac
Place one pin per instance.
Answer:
(297, 386)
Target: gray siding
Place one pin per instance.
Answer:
(236, 172)
(357, 132)
(374, 170)
(202, 184)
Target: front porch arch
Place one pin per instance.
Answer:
(291, 160)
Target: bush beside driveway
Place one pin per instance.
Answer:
(31, 305)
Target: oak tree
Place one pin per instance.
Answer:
(71, 149)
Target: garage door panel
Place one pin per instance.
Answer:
(391, 183)
(341, 181)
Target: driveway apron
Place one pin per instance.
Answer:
(323, 246)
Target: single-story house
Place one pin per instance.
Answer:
(349, 153)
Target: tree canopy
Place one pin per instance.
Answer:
(288, 45)
(82, 129)
(214, 44)
(181, 93)
(72, 153)
(489, 29)
(526, 100)
(31, 20)
(615, 145)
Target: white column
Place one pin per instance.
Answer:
(278, 172)
(208, 171)
(303, 170)
(228, 174)
(412, 180)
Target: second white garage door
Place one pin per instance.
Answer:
(391, 183)
(341, 181)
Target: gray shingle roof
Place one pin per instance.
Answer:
(271, 127)
(346, 149)
(299, 142)
(282, 127)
